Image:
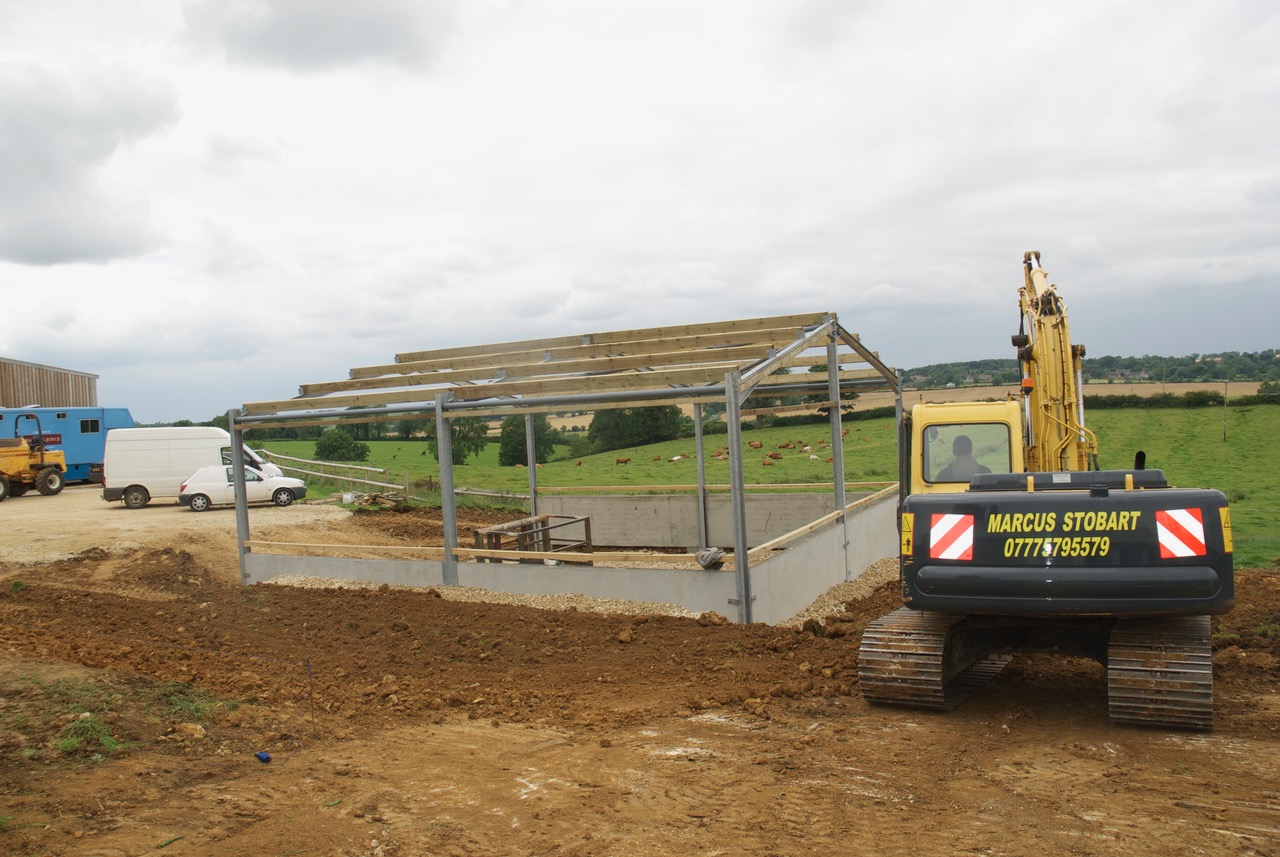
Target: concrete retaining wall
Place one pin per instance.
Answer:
(671, 520)
(782, 586)
(791, 580)
(261, 567)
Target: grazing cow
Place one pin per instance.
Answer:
(767, 463)
(622, 461)
(775, 455)
(787, 445)
(579, 462)
(656, 458)
(677, 458)
(755, 444)
(813, 458)
(829, 460)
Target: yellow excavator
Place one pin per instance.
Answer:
(1012, 538)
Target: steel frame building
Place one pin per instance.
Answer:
(694, 364)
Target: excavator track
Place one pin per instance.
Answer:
(904, 660)
(1160, 672)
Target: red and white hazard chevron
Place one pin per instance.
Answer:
(1181, 533)
(951, 537)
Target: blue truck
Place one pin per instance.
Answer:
(81, 434)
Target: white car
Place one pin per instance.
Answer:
(215, 486)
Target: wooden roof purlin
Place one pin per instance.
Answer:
(540, 375)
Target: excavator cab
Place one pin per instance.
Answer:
(950, 443)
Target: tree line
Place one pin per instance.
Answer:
(1226, 366)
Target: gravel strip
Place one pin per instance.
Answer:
(833, 600)
(570, 601)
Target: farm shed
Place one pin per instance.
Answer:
(693, 364)
(33, 385)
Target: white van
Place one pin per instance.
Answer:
(143, 464)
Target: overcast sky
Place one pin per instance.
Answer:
(209, 202)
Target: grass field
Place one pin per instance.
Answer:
(1188, 444)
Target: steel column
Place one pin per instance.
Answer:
(702, 476)
(531, 458)
(737, 482)
(837, 448)
(448, 502)
(242, 503)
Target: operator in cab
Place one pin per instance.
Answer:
(963, 466)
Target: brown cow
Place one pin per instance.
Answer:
(755, 444)
(775, 455)
(622, 461)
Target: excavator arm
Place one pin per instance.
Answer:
(1053, 399)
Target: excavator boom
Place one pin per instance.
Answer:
(1052, 381)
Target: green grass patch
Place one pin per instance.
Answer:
(17, 586)
(88, 735)
(870, 455)
(1195, 447)
(183, 702)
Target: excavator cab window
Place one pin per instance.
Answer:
(959, 451)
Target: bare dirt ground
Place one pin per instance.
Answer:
(139, 681)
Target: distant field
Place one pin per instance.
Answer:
(979, 394)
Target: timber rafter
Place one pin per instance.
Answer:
(691, 361)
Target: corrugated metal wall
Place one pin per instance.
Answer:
(23, 384)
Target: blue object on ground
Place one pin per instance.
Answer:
(264, 757)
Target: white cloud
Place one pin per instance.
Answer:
(314, 35)
(58, 129)
(582, 166)
(227, 156)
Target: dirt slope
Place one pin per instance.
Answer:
(402, 723)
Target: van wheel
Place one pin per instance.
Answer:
(50, 481)
(283, 497)
(199, 503)
(135, 497)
